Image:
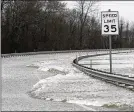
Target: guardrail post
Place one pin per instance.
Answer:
(90, 63)
(77, 58)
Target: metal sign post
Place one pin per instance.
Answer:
(110, 26)
(110, 53)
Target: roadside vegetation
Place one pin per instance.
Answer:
(28, 26)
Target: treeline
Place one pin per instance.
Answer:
(28, 26)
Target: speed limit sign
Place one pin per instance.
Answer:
(110, 23)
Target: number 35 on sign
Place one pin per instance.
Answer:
(110, 23)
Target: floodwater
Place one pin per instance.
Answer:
(53, 78)
(122, 63)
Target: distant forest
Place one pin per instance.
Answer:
(28, 26)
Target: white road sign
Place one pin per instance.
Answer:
(110, 22)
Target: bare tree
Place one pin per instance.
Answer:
(132, 35)
(84, 8)
(121, 27)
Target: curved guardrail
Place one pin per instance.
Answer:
(65, 51)
(117, 79)
(47, 52)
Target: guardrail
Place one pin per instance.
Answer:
(43, 52)
(53, 52)
(117, 79)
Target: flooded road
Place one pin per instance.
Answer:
(50, 82)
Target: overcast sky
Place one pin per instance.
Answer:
(125, 8)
